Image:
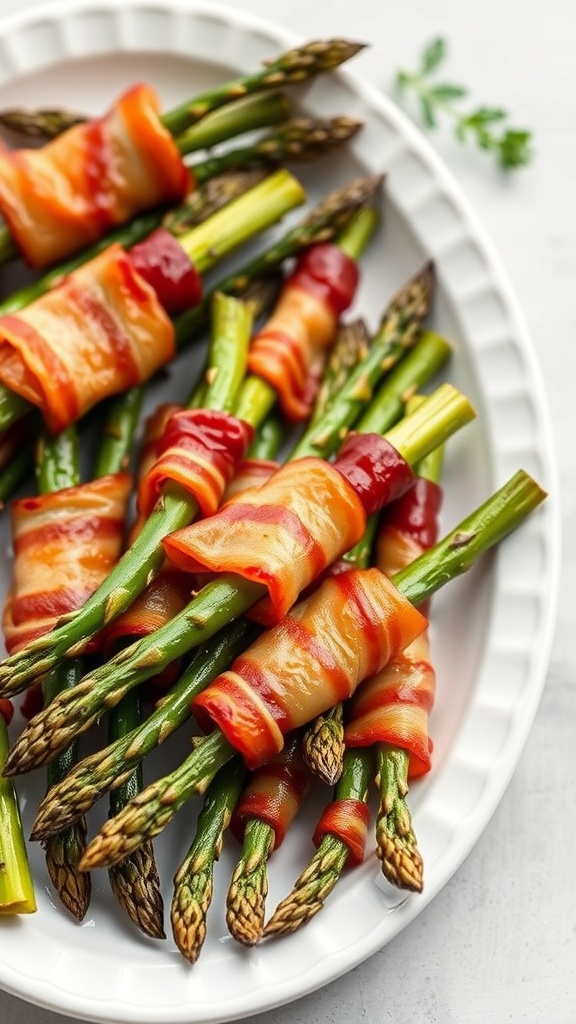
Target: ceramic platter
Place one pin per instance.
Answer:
(491, 629)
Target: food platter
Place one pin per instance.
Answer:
(491, 630)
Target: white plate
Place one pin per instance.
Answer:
(492, 630)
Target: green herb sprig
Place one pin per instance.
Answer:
(511, 146)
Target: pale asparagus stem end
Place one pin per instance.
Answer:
(136, 885)
(311, 889)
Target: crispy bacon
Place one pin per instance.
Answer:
(65, 544)
(348, 820)
(200, 450)
(393, 706)
(69, 193)
(100, 331)
(290, 349)
(282, 535)
(346, 631)
(274, 793)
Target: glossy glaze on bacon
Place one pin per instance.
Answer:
(200, 450)
(282, 535)
(394, 706)
(290, 349)
(99, 332)
(65, 544)
(274, 793)
(348, 820)
(346, 631)
(72, 191)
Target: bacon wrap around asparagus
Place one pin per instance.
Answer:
(285, 533)
(100, 331)
(65, 544)
(274, 793)
(201, 450)
(348, 820)
(394, 706)
(346, 631)
(69, 193)
(289, 350)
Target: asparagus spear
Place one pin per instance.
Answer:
(246, 900)
(293, 66)
(42, 123)
(396, 843)
(194, 878)
(58, 467)
(265, 811)
(106, 768)
(16, 886)
(145, 556)
(155, 807)
(218, 603)
(398, 331)
(323, 739)
(317, 880)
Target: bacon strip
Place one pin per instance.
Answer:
(200, 450)
(393, 707)
(274, 793)
(289, 350)
(65, 544)
(99, 332)
(346, 631)
(69, 193)
(348, 820)
(282, 535)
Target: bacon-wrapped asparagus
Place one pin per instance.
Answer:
(370, 470)
(146, 554)
(260, 820)
(99, 173)
(276, 702)
(340, 839)
(107, 325)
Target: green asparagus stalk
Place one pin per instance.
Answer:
(144, 558)
(42, 123)
(134, 880)
(58, 467)
(248, 889)
(218, 603)
(107, 768)
(317, 880)
(193, 881)
(292, 67)
(16, 886)
(246, 900)
(156, 806)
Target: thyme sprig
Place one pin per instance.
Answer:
(483, 124)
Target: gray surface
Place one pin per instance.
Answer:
(498, 944)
